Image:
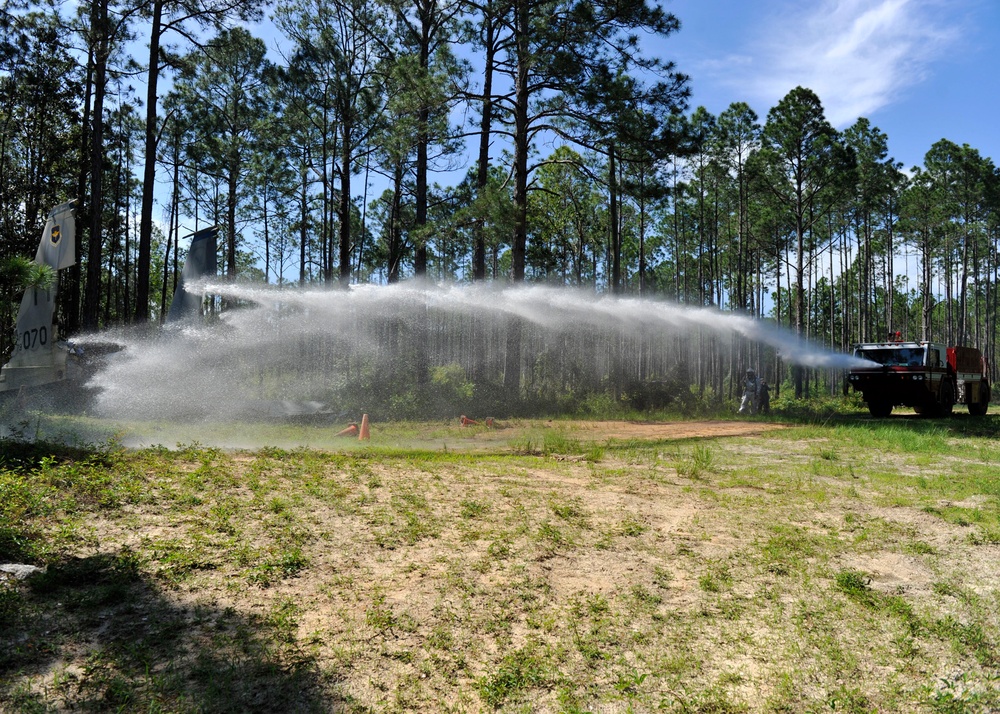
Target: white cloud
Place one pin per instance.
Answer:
(857, 55)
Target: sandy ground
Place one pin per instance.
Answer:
(655, 431)
(451, 434)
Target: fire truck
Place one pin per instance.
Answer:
(929, 377)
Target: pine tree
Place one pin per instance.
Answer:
(803, 165)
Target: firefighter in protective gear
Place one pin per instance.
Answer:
(764, 398)
(751, 386)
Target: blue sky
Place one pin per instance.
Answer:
(920, 70)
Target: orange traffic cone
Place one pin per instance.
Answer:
(466, 420)
(489, 422)
(365, 434)
(351, 430)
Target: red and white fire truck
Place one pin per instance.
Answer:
(930, 377)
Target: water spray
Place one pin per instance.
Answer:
(290, 347)
(555, 308)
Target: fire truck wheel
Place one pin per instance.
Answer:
(880, 408)
(947, 400)
(979, 408)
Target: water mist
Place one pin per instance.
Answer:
(375, 343)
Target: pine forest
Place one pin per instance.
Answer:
(345, 142)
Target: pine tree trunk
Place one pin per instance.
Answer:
(92, 294)
(149, 169)
(615, 234)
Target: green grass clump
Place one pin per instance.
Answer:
(518, 672)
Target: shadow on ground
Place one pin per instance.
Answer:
(96, 634)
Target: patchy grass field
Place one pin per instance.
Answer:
(550, 567)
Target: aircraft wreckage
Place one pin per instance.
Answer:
(43, 364)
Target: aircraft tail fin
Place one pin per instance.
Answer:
(36, 360)
(201, 262)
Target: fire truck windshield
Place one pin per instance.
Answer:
(893, 356)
